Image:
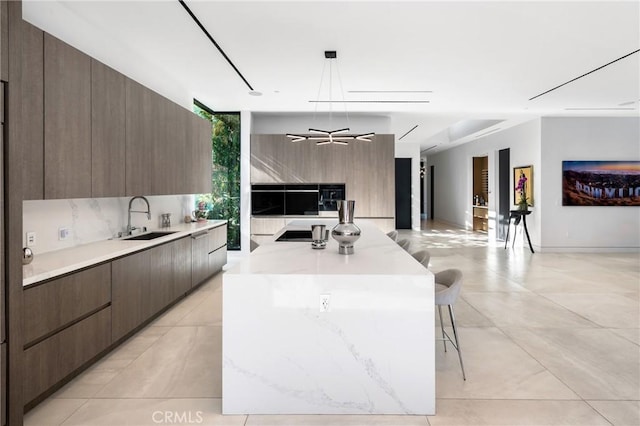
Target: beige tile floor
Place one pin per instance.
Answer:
(547, 339)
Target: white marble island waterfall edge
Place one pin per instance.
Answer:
(372, 353)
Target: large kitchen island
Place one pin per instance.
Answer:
(315, 332)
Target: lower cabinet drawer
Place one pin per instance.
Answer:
(217, 237)
(49, 361)
(217, 259)
(54, 304)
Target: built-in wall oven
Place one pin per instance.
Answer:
(330, 194)
(295, 199)
(267, 200)
(301, 200)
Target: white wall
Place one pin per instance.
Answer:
(412, 150)
(91, 220)
(587, 228)
(454, 175)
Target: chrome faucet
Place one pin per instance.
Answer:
(148, 212)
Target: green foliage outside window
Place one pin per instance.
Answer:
(224, 200)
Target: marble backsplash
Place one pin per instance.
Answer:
(94, 219)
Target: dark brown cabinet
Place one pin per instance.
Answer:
(199, 257)
(108, 149)
(4, 42)
(164, 178)
(67, 322)
(161, 278)
(33, 107)
(130, 291)
(199, 173)
(51, 360)
(67, 121)
(139, 138)
(209, 253)
(82, 314)
(3, 383)
(95, 133)
(217, 248)
(146, 282)
(61, 301)
(182, 267)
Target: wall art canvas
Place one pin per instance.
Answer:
(523, 185)
(601, 183)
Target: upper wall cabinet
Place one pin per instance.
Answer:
(168, 147)
(107, 131)
(33, 107)
(4, 42)
(140, 137)
(93, 132)
(67, 121)
(198, 172)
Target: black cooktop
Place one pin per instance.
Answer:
(291, 235)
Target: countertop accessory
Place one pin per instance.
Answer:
(345, 232)
(166, 220)
(318, 234)
(27, 256)
(200, 215)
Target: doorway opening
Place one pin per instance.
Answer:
(481, 194)
(403, 193)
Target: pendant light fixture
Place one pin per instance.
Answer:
(326, 137)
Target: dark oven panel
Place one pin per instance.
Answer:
(267, 200)
(301, 202)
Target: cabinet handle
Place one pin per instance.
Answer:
(199, 236)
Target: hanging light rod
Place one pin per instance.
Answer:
(326, 137)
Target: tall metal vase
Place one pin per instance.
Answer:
(345, 232)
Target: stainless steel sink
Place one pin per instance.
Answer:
(149, 236)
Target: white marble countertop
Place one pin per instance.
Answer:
(52, 264)
(375, 254)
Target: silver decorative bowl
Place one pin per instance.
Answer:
(27, 256)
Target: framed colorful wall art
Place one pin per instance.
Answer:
(601, 183)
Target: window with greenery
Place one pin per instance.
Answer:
(224, 200)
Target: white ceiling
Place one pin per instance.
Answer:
(482, 61)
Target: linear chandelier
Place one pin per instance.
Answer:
(326, 137)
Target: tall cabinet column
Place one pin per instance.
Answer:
(12, 231)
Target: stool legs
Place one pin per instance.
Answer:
(455, 336)
(444, 339)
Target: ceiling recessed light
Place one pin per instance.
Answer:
(255, 93)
